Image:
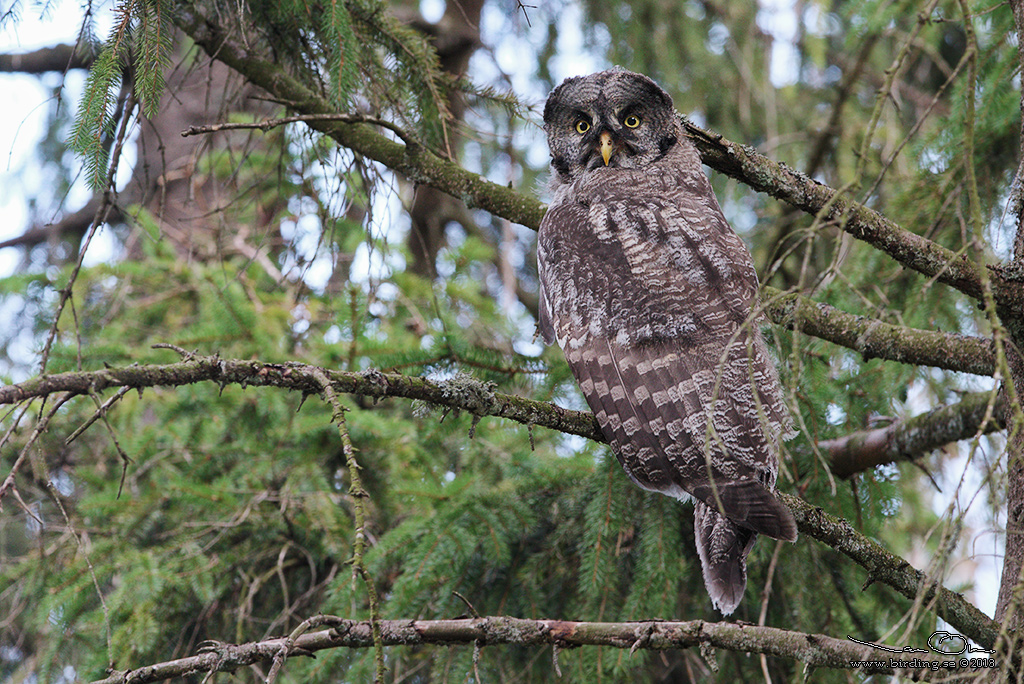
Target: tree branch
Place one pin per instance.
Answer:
(781, 182)
(359, 497)
(875, 339)
(461, 393)
(75, 224)
(816, 650)
(891, 570)
(850, 454)
(57, 58)
(904, 440)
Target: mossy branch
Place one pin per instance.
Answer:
(359, 497)
(58, 58)
(958, 421)
(305, 379)
(875, 339)
(977, 413)
(889, 569)
(798, 190)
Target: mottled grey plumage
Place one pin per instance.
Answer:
(651, 296)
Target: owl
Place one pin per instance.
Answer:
(651, 296)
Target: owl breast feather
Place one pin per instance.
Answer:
(638, 269)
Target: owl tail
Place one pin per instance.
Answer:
(751, 505)
(723, 547)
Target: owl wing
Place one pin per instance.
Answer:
(650, 299)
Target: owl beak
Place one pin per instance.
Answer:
(606, 146)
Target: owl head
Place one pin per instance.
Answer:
(611, 119)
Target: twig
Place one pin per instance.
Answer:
(523, 6)
(267, 124)
(38, 430)
(288, 647)
(126, 460)
(102, 213)
(101, 410)
(359, 497)
(472, 610)
(87, 556)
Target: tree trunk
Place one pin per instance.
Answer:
(456, 37)
(1010, 604)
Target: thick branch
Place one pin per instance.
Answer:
(875, 339)
(853, 453)
(414, 161)
(907, 439)
(75, 224)
(56, 58)
(778, 180)
(893, 571)
(816, 650)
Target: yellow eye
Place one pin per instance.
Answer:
(631, 121)
(582, 126)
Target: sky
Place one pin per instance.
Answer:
(28, 104)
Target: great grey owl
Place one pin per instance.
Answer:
(651, 296)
